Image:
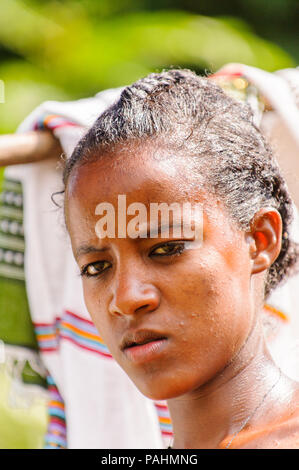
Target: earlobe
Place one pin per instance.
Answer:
(265, 239)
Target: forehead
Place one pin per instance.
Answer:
(156, 174)
(144, 176)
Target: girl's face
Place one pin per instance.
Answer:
(173, 314)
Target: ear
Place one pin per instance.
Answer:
(264, 238)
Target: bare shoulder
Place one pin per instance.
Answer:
(286, 435)
(279, 433)
(282, 435)
(283, 431)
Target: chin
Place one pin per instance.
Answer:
(158, 395)
(159, 391)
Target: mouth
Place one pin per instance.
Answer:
(143, 345)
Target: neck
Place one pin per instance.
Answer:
(211, 415)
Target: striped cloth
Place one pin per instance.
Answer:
(56, 434)
(52, 122)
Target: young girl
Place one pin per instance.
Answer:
(182, 315)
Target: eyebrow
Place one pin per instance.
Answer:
(86, 249)
(158, 230)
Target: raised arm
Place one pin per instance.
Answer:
(28, 147)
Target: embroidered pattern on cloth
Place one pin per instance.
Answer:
(11, 231)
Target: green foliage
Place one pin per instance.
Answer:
(15, 324)
(70, 49)
(32, 377)
(21, 427)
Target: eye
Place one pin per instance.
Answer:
(168, 249)
(95, 269)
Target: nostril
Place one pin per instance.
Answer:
(142, 307)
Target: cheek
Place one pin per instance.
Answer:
(214, 305)
(210, 325)
(109, 327)
(95, 301)
(210, 281)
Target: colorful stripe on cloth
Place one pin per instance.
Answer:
(73, 328)
(52, 121)
(56, 433)
(164, 418)
(82, 333)
(47, 335)
(278, 313)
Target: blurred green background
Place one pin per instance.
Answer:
(69, 49)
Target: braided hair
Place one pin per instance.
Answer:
(191, 114)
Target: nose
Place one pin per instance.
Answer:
(133, 296)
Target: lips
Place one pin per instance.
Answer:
(139, 338)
